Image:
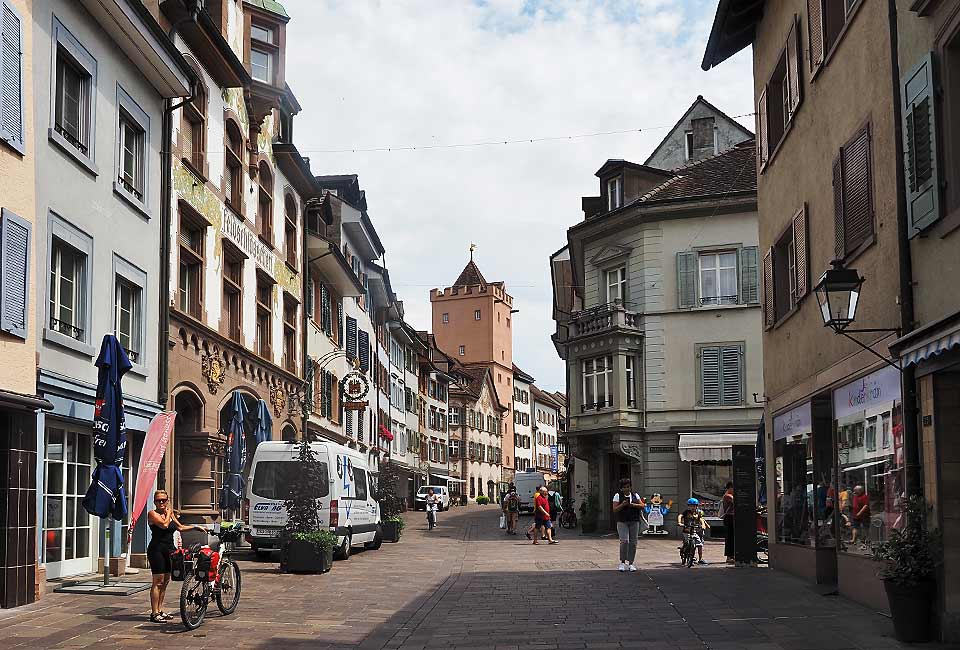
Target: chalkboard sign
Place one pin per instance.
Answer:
(745, 503)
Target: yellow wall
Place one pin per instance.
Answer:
(18, 369)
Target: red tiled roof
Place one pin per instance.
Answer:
(731, 172)
(470, 276)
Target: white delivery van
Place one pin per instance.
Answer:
(527, 483)
(347, 504)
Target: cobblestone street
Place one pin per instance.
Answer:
(465, 585)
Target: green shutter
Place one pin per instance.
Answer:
(731, 380)
(920, 147)
(686, 279)
(710, 390)
(749, 275)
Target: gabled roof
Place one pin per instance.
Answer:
(619, 162)
(474, 375)
(729, 173)
(545, 398)
(734, 28)
(747, 133)
(470, 275)
(522, 376)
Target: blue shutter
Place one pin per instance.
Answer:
(920, 147)
(351, 338)
(363, 341)
(15, 235)
(11, 79)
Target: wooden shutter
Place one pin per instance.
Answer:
(686, 279)
(351, 338)
(326, 318)
(762, 128)
(11, 98)
(857, 191)
(334, 398)
(363, 342)
(710, 389)
(730, 375)
(840, 246)
(802, 261)
(749, 275)
(769, 295)
(794, 58)
(815, 31)
(15, 233)
(323, 393)
(920, 147)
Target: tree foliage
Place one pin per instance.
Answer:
(391, 491)
(304, 480)
(911, 555)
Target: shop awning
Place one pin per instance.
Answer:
(865, 465)
(448, 479)
(928, 349)
(699, 447)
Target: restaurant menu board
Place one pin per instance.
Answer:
(745, 502)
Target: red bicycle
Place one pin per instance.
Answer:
(212, 575)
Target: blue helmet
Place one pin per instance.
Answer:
(693, 502)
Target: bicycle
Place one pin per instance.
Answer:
(431, 516)
(198, 590)
(688, 549)
(568, 518)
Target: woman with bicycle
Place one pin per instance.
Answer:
(163, 524)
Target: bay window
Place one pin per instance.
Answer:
(597, 383)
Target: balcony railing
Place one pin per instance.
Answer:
(595, 406)
(603, 318)
(64, 327)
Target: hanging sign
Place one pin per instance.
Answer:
(354, 387)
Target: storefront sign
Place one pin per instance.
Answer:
(663, 450)
(875, 390)
(794, 422)
(241, 235)
(745, 503)
(554, 459)
(354, 386)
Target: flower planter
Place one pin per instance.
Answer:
(911, 608)
(304, 557)
(391, 531)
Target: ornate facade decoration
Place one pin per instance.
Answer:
(278, 399)
(214, 370)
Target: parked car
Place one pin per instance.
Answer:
(347, 499)
(420, 500)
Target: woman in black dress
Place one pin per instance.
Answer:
(163, 524)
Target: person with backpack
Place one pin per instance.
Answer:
(556, 507)
(511, 509)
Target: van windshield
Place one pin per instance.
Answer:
(436, 490)
(271, 479)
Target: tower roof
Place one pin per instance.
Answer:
(470, 275)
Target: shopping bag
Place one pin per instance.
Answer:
(503, 521)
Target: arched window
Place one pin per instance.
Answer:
(233, 173)
(290, 230)
(288, 433)
(265, 204)
(189, 422)
(193, 125)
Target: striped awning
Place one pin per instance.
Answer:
(703, 447)
(926, 349)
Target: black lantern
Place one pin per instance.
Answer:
(838, 293)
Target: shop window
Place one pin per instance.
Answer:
(708, 482)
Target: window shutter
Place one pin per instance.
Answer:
(769, 295)
(730, 376)
(11, 103)
(323, 393)
(309, 297)
(840, 246)
(351, 338)
(710, 389)
(326, 319)
(920, 147)
(815, 30)
(857, 191)
(340, 322)
(801, 253)
(334, 398)
(363, 341)
(686, 279)
(749, 275)
(762, 128)
(794, 59)
(15, 235)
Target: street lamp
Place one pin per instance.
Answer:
(838, 293)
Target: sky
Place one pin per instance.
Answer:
(396, 74)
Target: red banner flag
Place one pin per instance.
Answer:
(154, 445)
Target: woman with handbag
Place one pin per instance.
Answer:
(163, 524)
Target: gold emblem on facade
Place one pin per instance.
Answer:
(214, 370)
(278, 399)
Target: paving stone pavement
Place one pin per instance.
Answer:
(466, 585)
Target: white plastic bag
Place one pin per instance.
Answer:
(503, 522)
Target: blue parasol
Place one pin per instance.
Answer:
(236, 456)
(761, 455)
(264, 423)
(106, 496)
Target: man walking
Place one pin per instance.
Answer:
(556, 507)
(541, 514)
(511, 509)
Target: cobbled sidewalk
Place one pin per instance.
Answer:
(466, 585)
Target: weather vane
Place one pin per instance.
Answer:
(473, 247)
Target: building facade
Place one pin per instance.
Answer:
(545, 422)
(662, 273)
(523, 421)
(102, 74)
(477, 443)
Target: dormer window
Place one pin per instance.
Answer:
(263, 51)
(614, 189)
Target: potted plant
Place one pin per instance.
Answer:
(391, 503)
(483, 500)
(305, 547)
(909, 559)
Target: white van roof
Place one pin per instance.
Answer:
(284, 448)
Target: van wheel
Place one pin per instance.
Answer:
(377, 540)
(343, 553)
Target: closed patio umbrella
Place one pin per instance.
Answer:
(236, 456)
(264, 423)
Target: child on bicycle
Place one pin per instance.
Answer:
(693, 522)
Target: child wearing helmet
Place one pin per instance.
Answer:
(692, 521)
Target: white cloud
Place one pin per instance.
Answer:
(397, 72)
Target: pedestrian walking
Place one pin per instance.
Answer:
(163, 525)
(511, 508)
(626, 506)
(861, 516)
(556, 507)
(541, 517)
(727, 514)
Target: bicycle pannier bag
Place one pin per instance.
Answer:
(179, 564)
(207, 561)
